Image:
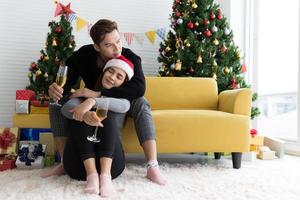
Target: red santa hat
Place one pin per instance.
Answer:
(122, 63)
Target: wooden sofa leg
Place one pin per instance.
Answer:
(217, 155)
(236, 159)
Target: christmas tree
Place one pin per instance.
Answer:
(60, 45)
(200, 44)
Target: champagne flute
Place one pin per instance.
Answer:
(61, 79)
(101, 112)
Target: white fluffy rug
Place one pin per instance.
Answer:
(201, 178)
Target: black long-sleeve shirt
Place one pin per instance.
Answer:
(83, 63)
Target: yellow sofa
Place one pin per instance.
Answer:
(189, 116)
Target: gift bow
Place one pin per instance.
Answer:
(30, 153)
(253, 132)
(7, 138)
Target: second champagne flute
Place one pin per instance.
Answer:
(101, 112)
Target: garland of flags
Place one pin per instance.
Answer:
(128, 36)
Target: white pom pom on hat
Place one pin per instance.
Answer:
(122, 63)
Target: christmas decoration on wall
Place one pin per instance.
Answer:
(59, 46)
(201, 45)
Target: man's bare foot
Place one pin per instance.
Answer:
(154, 174)
(56, 171)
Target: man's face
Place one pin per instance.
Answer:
(113, 77)
(111, 46)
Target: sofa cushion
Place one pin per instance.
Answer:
(195, 131)
(182, 93)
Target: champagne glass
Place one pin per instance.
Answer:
(61, 79)
(101, 112)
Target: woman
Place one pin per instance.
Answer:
(84, 159)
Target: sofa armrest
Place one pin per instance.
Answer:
(236, 101)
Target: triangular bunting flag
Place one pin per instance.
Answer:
(151, 36)
(72, 17)
(128, 37)
(161, 33)
(80, 23)
(140, 38)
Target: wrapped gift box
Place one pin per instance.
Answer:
(48, 140)
(254, 147)
(257, 140)
(32, 133)
(249, 156)
(31, 156)
(22, 107)
(25, 95)
(8, 140)
(39, 110)
(7, 161)
(266, 155)
(49, 160)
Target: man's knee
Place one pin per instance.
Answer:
(139, 104)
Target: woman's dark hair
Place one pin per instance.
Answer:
(99, 86)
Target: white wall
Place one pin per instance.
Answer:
(24, 28)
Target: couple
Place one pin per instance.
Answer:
(115, 73)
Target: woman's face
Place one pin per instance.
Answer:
(111, 46)
(113, 77)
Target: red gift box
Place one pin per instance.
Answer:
(25, 95)
(7, 162)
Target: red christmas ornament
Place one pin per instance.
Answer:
(58, 29)
(234, 84)
(207, 33)
(177, 13)
(62, 9)
(220, 16)
(33, 65)
(177, 1)
(190, 25)
(244, 68)
(212, 15)
(206, 22)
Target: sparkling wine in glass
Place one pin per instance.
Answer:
(101, 112)
(61, 78)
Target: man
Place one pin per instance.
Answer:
(87, 63)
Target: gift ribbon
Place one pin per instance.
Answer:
(7, 138)
(30, 153)
(253, 132)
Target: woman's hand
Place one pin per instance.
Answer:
(85, 92)
(55, 91)
(92, 119)
(82, 108)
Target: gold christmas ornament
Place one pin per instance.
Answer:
(178, 43)
(238, 54)
(215, 63)
(54, 42)
(29, 74)
(194, 5)
(46, 58)
(216, 42)
(178, 65)
(199, 59)
(38, 72)
(226, 70)
(196, 23)
(70, 46)
(214, 76)
(168, 49)
(187, 44)
(46, 75)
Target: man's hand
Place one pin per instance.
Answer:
(85, 92)
(55, 91)
(92, 119)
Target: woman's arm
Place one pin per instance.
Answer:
(115, 105)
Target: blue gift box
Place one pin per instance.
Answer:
(32, 133)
